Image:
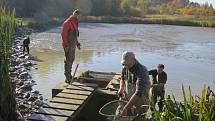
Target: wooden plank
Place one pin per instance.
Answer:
(71, 96)
(105, 73)
(114, 83)
(66, 101)
(80, 88)
(85, 84)
(58, 88)
(77, 92)
(117, 78)
(42, 117)
(102, 77)
(107, 91)
(94, 79)
(55, 112)
(61, 106)
(61, 85)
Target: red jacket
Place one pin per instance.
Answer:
(69, 24)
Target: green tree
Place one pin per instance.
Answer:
(124, 6)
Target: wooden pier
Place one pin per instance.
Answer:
(73, 102)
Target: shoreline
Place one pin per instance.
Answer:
(177, 20)
(27, 99)
(154, 19)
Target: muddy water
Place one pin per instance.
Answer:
(187, 52)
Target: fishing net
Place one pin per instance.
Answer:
(112, 111)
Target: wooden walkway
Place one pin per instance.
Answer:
(65, 105)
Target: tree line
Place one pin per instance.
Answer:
(136, 8)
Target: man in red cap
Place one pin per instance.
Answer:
(70, 36)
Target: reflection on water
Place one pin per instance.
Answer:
(187, 53)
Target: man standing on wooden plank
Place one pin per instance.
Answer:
(70, 34)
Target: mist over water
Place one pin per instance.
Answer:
(187, 52)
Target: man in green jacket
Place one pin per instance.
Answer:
(159, 78)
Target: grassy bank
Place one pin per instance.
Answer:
(156, 19)
(39, 25)
(201, 21)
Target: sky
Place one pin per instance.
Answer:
(204, 1)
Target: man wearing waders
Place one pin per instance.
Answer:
(159, 78)
(70, 35)
(135, 82)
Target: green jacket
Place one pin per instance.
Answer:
(162, 78)
(137, 75)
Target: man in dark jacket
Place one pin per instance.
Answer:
(26, 43)
(159, 78)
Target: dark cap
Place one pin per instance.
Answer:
(160, 66)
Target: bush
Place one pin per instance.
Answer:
(135, 11)
(42, 18)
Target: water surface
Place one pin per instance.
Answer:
(187, 53)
